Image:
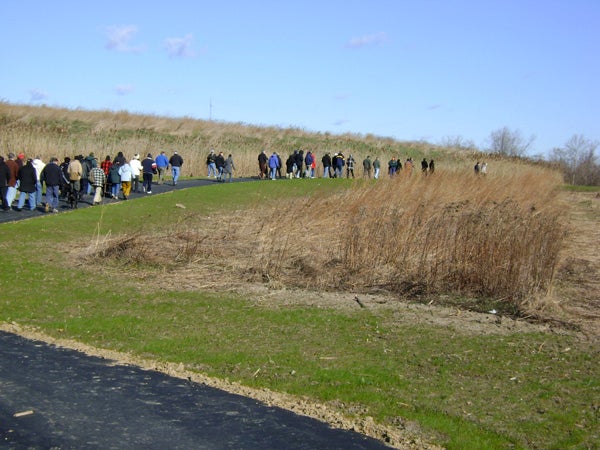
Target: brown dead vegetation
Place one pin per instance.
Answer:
(494, 242)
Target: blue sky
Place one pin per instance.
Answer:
(411, 70)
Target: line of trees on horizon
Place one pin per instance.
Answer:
(577, 158)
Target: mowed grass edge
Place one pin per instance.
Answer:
(524, 390)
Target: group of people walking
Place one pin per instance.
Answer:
(74, 178)
(301, 165)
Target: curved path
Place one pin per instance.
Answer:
(52, 397)
(13, 215)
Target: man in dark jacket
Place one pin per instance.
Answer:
(27, 185)
(262, 164)
(4, 178)
(148, 169)
(326, 160)
(52, 177)
(176, 161)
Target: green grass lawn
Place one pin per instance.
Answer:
(531, 390)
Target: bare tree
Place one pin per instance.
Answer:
(458, 143)
(509, 143)
(578, 160)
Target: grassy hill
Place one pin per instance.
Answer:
(366, 304)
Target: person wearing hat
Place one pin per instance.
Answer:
(136, 172)
(21, 159)
(176, 162)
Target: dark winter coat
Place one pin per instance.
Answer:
(52, 175)
(113, 174)
(4, 173)
(27, 178)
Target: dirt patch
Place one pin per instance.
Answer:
(575, 297)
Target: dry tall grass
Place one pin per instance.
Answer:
(494, 237)
(482, 236)
(46, 132)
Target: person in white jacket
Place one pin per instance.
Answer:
(136, 172)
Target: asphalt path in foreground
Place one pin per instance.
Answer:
(13, 215)
(53, 397)
(57, 398)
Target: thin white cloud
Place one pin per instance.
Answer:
(124, 89)
(180, 47)
(367, 40)
(339, 123)
(119, 39)
(37, 95)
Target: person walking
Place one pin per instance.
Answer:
(148, 168)
(273, 163)
(162, 165)
(176, 161)
(211, 164)
(126, 175)
(4, 177)
(136, 172)
(367, 167)
(52, 177)
(27, 185)
(263, 160)
(38, 164)
(13, 168)
(228, 168)
(74, 172)
(350, 166)
(326, 161)
(115, 180)
(97, 181)
(376, 168)
(220, 163)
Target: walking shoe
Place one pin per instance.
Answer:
(148, 192)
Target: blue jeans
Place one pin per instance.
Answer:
(326, 172)
(114, 189)
(212, 168)
(52, 196)
(32, 196)
(38, 193)
(175, 171)
(273, 172)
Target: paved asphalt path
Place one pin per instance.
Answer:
(57, 398)
(13, 215)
